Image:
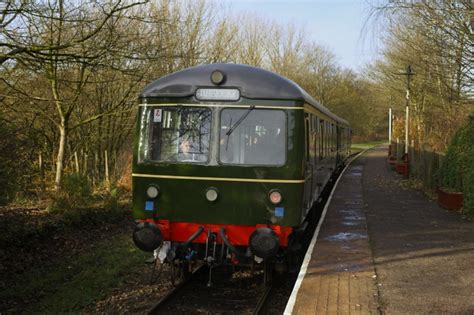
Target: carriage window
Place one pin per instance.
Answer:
(259, 138)
(175, 134)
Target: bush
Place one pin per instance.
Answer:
(78, 206)
(111, 203)
(75, 193)
(9, 163)
(457, 171)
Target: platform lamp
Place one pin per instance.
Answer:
(390, 127)
(408, 73)
(392, 148)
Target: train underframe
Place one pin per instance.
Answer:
(184, 245)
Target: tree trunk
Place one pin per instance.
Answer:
(60, 158)
(107, 179)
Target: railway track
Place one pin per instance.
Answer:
(177, 299)
(193, 296)
(165, 300)
(262, 300)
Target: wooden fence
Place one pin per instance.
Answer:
(423, 164)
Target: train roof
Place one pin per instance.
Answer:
(253, 83)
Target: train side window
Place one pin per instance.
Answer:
(312, 138)
(307, 135)
(328, 137)
(323, 138)
(338, 138)
(333, 138)
(317, 144)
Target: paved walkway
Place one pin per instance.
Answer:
(340, 276)
(424, 255)
(385, 248)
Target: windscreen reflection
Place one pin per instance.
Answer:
(175, 134)
(259, 139)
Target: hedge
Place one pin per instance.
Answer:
(457, 171)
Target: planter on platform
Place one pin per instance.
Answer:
(450, 200)
(402, 168)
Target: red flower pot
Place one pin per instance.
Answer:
(450, 200)
(402, 168)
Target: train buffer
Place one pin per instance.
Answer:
(385, 248)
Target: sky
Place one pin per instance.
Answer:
(337, 25)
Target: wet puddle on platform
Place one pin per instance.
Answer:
(348, 223)
(353, 202)
(343, 236)
(356, 171)
(354, 218)
(351, 217)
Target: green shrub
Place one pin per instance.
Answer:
(75, 193)
(457, 171)
(9, 163)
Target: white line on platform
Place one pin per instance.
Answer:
(304, 267)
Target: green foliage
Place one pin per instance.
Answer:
(10, 161)
(78, 206)
(77, 187)
(111, 201)
(75, 193)
(457, 171)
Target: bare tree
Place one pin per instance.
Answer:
(435, 37)
(61, 43)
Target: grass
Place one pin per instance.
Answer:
(79, 281)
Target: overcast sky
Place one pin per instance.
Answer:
(337, 24)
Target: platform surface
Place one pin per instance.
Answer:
(386, 248)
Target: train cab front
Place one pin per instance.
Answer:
(217, 176)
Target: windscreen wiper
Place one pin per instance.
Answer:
(232, 128)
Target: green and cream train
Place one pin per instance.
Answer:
(228, 161)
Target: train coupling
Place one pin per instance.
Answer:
(164, 251)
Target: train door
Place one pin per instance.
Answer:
(308, 165)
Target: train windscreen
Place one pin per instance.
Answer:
(252, 137)
(175, 134)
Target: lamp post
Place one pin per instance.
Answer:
(392, 159)
(408, 73)
(390, 125)
(390, 132)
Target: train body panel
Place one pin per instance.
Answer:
(184, 200)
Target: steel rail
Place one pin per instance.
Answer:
(168, 296)
(257, 310)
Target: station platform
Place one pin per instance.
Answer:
(382, 247)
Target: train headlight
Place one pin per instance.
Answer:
(212, 194)
(217, 77)
(152, 192)
(275, 197)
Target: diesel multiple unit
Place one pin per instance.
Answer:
(228, 161)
